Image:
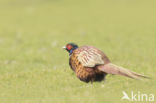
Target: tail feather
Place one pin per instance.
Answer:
(117, 70)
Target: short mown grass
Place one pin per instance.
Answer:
(34, 68)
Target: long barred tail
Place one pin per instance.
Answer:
(117, 70)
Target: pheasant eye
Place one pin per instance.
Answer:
(69, 47)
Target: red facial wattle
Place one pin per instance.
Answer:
(69, 47)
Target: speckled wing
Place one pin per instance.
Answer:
(89, 56)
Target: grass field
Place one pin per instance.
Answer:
(34, 68)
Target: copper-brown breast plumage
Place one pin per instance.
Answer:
(84, 62)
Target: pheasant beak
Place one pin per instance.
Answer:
(64, 47)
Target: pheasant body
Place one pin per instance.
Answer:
(91, 64)
(86, 74)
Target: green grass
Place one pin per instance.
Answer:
(34, 68)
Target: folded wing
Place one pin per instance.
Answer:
(90, 57)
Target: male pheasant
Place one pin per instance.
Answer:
(91, 64)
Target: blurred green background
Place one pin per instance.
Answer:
(34, 68)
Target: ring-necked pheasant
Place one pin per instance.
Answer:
(91, 64)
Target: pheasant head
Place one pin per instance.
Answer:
(70, 47)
